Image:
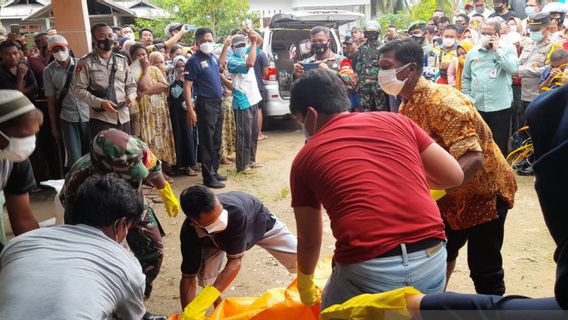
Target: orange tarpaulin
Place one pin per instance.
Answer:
(274, 304)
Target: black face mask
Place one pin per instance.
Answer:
(372, 36)
(417, 38)
(105, 45)
(499, 9)
(319, 48)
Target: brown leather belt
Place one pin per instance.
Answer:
(432, 245)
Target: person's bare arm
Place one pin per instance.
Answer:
(187, 290)
(226, 82)
(176, 38)
(157, 88)
(20, 213)
(187, 96)
(470, 162)
(223, 56)
(251, 59)
(228, 274)
(144, 81)
(442, 170)
(309, 229)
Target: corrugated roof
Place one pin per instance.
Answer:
(15, 9)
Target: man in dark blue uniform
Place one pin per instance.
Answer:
(203, 81)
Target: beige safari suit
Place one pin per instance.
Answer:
(94, 72)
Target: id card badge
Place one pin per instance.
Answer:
(493, 74)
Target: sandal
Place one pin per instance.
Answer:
(168, 178)
(190, 172)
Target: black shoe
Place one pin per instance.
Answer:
(221, 178)
(149, 316)
(214, 184)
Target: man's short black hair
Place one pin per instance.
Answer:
(444, 20)
(452, 27)
(405, 51)
(430, 30)
(196, 200)
(98, 26)
(142, 30)
(10, 43)
(174, 48)
(39, 35)
(116, 28)
(321, 90)
(391, 26)
(103, 199)
(199, 33)
(465, 16)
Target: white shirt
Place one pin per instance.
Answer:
(69, 272)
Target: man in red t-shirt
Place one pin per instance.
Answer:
(372, 173)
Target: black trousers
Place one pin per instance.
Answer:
(484, 258)
(500, 124)
(96, 126)
(210, 118)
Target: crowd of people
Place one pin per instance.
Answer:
(429, 108)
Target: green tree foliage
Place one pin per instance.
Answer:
(221, 16)
(401, 20)
(424, 9)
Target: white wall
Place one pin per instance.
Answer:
(324, 4)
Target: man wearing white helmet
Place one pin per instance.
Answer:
(69, 117)
(19, 123)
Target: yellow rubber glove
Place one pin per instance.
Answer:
(379, 306)
(170, 201)
(437, 194)
(197, 308)
(310, 294)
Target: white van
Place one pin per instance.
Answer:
(286, 41)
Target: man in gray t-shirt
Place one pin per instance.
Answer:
(78, 271)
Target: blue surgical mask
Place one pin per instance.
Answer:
(529, 11)
(176, 91)
(240, 52)
(537, 36)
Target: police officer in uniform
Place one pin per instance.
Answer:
(367, 70)
(417, 32)
(532, 63)
(104, 82)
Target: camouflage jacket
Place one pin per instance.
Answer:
(367, 67)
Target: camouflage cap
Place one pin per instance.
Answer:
(115, 151)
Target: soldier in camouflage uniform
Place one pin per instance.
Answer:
(115, 151)
(373, 98)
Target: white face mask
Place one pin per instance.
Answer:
(18, 149)
(484, 41)
(122, 243)
(389, 82)
(61, 56)
(206, 47)
(220, 224)
(130, 36)
(513, 28)
(449, 42)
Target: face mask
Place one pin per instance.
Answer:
(105, 45)
(537, 36)
(449, 42)
(319, 48)
(220, 224)
(129, 36)
(389, 82)
(176, 91)
(61, 55)
(18, 149)
(206, 47)
(513, 28)
(484, 40)
(499, 9)
(417, 38)
(372, 36)
(240, 52)
(480, 9)
(529, 11)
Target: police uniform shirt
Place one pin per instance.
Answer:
(203, 70)
(248, 221)
(93, 72)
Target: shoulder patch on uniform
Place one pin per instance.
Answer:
(79, 68)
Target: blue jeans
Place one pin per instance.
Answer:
(424, 270)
